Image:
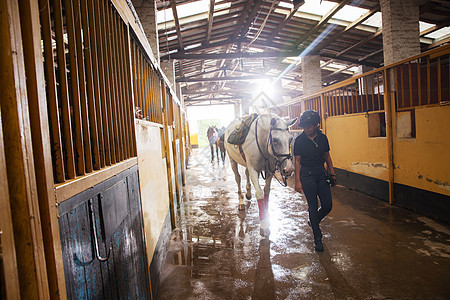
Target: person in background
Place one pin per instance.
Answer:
(311, 151)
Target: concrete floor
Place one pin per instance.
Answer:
(372, 250)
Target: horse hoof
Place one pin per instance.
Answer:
(241, 207)
(264, 232)
(248, 197)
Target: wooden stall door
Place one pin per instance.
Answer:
(103, 242)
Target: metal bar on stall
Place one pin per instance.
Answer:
(74, 88)
(82, 85)
(104, 82)
(87, 33)
(52, 100)
(64, 93)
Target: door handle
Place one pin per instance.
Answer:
(94, 229)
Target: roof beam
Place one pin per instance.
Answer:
(340, 70)
(213, 45)
(210, 21)
(321, 23)
(233, 91)
(288, 17)
(362, 42)
(177, 24)
(438, 26)
(347, 29)
(272, 54)
(236, 78)
(250, 18)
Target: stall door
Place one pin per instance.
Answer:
(103, 243)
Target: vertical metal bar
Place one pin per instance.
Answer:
(410, 84)
(366, 93)
(130, 93)
(439, 80)
(372, 91)
(124, 82)
(64, 93)
(147, 90)
(95, 53)
(389, 133)
(428, 80)
(378, 90)
(402, 88)
(113, 80)
(119, 82)
(52, 101)
(132, 88)
(87, 32)
(151, 93)
(109, 86)
(103, 79)
(154, 93)
(419, 81)
(141, 72)
(352, 98)
(396, 88)
(82, 85)
(75, 99)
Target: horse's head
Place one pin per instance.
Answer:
(280, 140)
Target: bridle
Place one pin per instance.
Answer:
(274, 154)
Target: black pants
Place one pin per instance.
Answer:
(314, 183)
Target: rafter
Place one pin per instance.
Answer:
(288, 17)
(321, 23)
(210, 21)
(181, 56)
(177, 24)
(349, 27)
(340, 70)
(236, 78)
(362, 42)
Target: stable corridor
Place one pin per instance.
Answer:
(372, 250)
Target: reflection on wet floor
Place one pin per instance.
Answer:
(372, 250)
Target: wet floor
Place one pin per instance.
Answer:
(372, 250)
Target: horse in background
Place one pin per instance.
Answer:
(213, 138)
(221, 141)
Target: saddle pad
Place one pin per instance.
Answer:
(237, 137)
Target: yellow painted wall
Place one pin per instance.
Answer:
(153, 182)
(353, 150)
(194, 139)
(424, 162)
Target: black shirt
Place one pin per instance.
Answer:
(311, 152)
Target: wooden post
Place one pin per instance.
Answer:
(41, 141)
(21, 180)
(389, 108)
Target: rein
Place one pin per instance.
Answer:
(275, 155)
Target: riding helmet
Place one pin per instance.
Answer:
(308, 118)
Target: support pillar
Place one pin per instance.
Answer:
(146, 10)
(311, 74)
(400, 29)
(168, 67)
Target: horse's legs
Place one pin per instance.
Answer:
(264, 220)
(237, 177)
(267, 192)
(212, 151)
(248, 195)
(217, 149)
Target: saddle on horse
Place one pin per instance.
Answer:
(237, 137)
